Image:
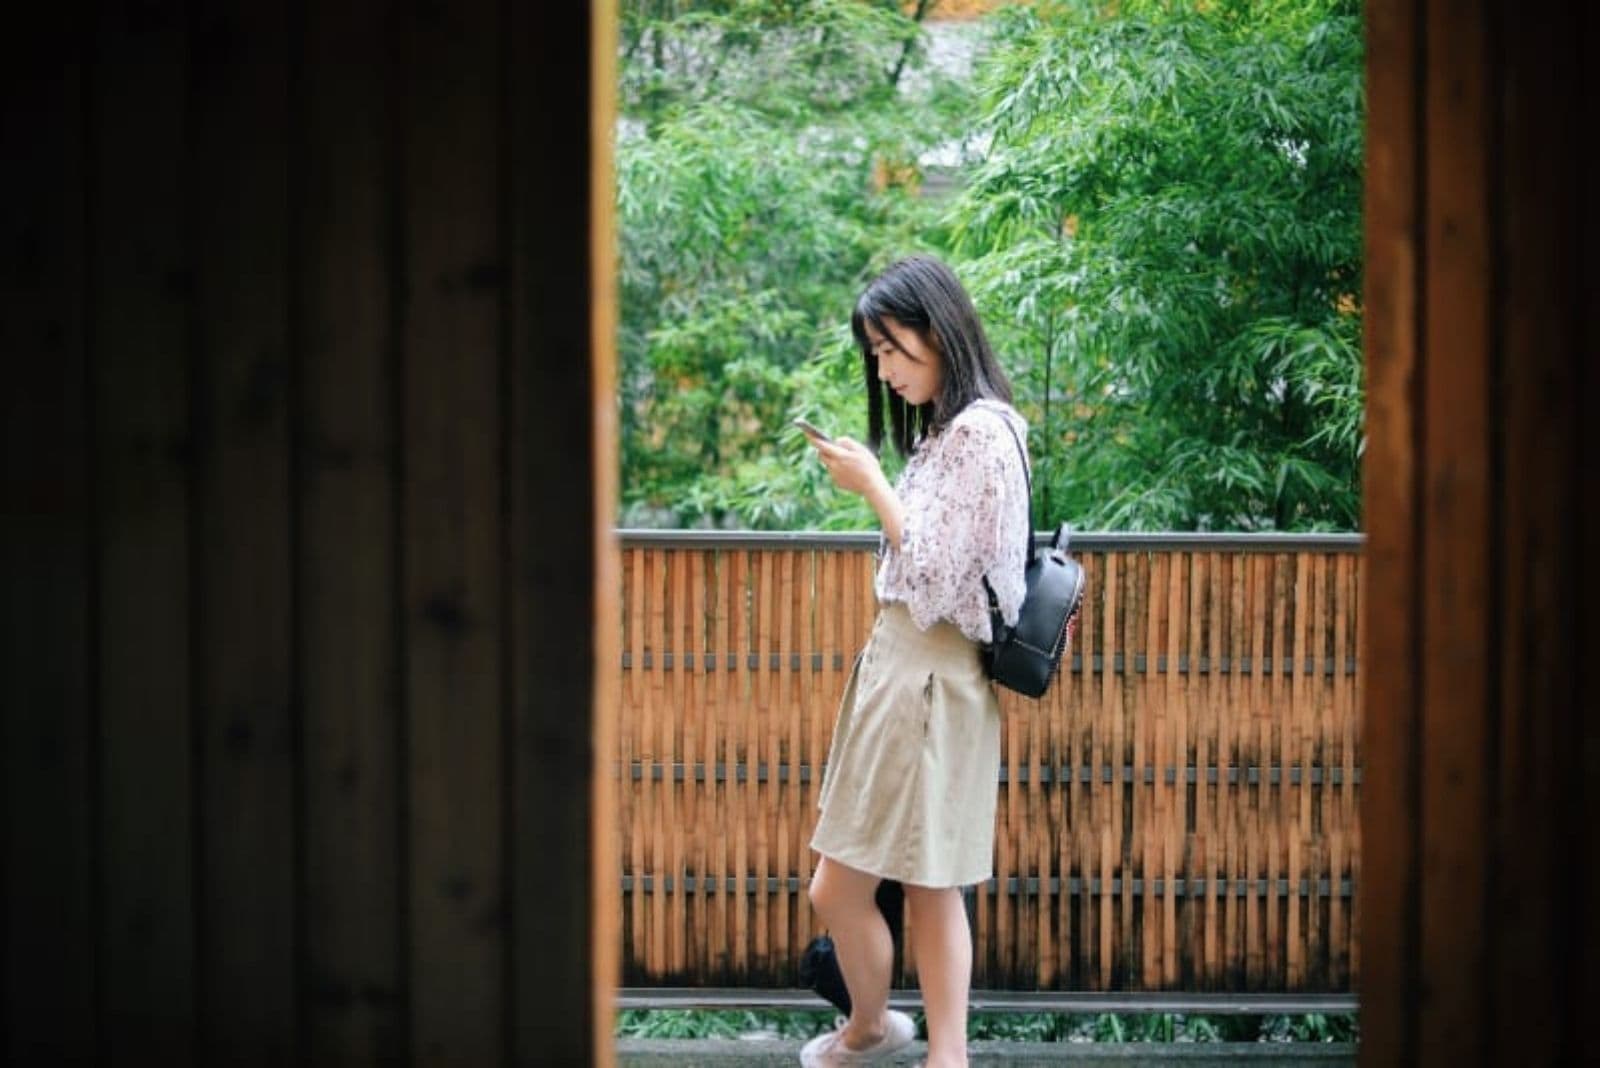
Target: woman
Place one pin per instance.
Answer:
(909, 791)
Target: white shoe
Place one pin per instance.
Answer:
(829, 1049)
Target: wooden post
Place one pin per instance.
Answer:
(48, 818)
(1482, 748)
(347, 539)
(309, 597)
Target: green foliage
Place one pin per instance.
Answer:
(1159, 223)
(1164, 237)
(1313, 1027)
(749, 218)
(682, 1023)
(790, 61)
(1014, 1027)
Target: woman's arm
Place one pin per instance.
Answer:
(891, 513)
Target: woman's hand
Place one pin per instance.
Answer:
(854, 468)
(850, 464)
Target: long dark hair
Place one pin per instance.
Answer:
(922, 293)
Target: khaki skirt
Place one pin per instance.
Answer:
(910, 786)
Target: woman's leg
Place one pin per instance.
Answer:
(942, 942)
(843, 898)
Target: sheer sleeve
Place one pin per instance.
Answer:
(958, 524)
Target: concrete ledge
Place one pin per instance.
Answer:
(1090, 1003)
(659, 1053)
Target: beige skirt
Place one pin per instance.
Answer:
(910, 786)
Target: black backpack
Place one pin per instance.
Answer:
(1025, 657)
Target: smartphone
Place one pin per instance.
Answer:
(810, 430)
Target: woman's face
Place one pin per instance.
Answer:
(907, 362)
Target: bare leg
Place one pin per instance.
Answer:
(843, 898)
(942, 941)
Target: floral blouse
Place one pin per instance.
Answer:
(966, 517)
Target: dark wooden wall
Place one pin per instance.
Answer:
(305, 460)
(1482, 752)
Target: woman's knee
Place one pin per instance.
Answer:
(821, 894)
(934, 900)
(836, 890)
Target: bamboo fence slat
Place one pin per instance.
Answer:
(740, 731)
(695, 749)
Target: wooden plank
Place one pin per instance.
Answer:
(740, 742)
(1355, 825)
(1298, 811)
(1111, 827)
(1582, 1039)
(653, 753)
(1456, 383)
(784, 753)
(762, 792)
(1149, 730)
(1098, 906)
(1315, 748)
(1239, 726)
(1390, 332)
(1342, 739)
(1109, 964)
(1539, 263)
(720, 750)
(48, 822)
(1080, 849)
(1049, 826)
(558, 303)
(661, 747)
(1274, 746)
(645, 679)
(1257, 755)
(674, 733)
(836, 630)
(1173, 756)
(346, 551)
(804, 754)
(696, 806)
(1045, 809)
(239, 214)
(702, 786)
(1217, 750)
(643, 749)
(863, 602)
(140, 360)
(1191, 825)
(1008, 816)
(599, 238)
(453, 480)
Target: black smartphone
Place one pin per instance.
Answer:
(810, 430)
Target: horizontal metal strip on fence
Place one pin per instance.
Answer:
(1075, 1002)
(1249, 774)
(1015, 886)
(1087, 541)
(711, 662)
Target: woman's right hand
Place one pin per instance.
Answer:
(850, 464)
(854, 467)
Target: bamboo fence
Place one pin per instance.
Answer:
(1179, 812)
